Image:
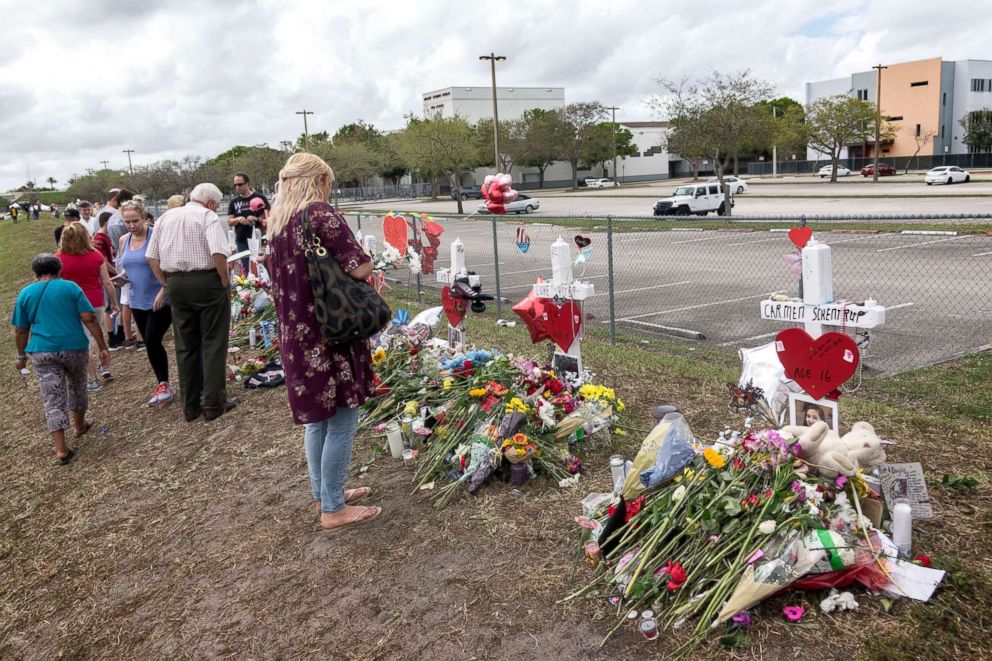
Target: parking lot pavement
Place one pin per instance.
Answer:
(708, 284)
(804, 199)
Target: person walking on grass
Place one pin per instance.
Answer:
(48, 321)
(188, 253)
(149, 305)
(326, 384)
(85, 266)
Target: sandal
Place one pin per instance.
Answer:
(87, 425)
(351, 496)
(361, 517)
(64, 461)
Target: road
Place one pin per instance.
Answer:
(687, 284)
(796, 196)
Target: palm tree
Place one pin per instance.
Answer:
(51, 182)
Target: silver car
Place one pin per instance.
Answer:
(523, 204)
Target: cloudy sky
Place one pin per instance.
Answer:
(80, 81)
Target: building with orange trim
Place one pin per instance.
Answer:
(924, 101)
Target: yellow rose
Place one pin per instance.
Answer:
(714, 458)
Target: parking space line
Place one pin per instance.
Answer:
(630, 291)
(922, 243)
(528, 286)
(982, 254)
(890, 308)
(702, 305)
(744, 243)
(708, 238)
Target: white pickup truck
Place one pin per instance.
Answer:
(693, 200)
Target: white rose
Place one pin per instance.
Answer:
(767, 527)
(678, 494)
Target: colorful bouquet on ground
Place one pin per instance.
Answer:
(730, 529)
(519, 449)
(252, 337)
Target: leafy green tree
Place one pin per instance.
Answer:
(512, 143)
(540, 148)
(721, 115)
(834, 122)
(574, 133)
(603, 142)
(977, 127)
(439, 146)
(51, 182)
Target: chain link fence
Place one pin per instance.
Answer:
(706, 286)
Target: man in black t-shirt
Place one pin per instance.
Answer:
(240, 216)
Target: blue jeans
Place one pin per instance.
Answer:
(328, 449)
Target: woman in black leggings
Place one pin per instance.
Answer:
(149, 305)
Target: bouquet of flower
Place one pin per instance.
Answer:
(519, 449)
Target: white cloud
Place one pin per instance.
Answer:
(81, 81)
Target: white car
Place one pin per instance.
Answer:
(737, 186)
(827, 170)
(523, 204)
(695, 200)
(947, 174)
(601, 183)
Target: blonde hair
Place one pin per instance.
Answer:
(174, 201)
(298, 186)
(134, 204)
(76, 240)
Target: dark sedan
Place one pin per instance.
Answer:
(884, 170)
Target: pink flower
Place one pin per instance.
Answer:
(840, 481)
(744, 619)
(793, 613)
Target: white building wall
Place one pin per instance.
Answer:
(820, 89)
(475, 103)
(966, 101)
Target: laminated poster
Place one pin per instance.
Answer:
(906, 481)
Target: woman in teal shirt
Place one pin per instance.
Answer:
(47, 327)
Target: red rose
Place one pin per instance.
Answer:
(676, 574)
(923, 560)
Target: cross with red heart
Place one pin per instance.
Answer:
(454, 308)
(819, 366)
(800, 236)
(563, 324)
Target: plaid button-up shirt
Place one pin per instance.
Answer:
(186, 238)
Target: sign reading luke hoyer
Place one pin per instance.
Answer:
(832, 314)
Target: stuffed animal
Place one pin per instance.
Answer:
(834, 455)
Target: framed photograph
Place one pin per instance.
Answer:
(804, 410)
(456, 338)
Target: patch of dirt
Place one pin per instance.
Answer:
(174, 539)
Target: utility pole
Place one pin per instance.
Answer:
(774, 147)
(306, 131)
(105, 164)
(130, 168)
(878, 119)
(493, 59)
(614, 109)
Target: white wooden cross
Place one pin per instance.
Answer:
(817, 308)
(563, 288)
(456, 269)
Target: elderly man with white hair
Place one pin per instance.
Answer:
(188, 253)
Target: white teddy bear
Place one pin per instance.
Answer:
(834, 455)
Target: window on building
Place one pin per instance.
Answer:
(895, 118)
(862, 95)
(917, 130)
(978, 84)
(920, 83)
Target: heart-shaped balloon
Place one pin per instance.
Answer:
(563, 324)
(509, 195)
(800, 236)
(582, 241)
(532, 311)
(454, 308)
(394, 232)
(819, 366)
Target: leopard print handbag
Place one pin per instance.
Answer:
(346, 309)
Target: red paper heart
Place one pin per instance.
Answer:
(819, 365)
(394, 232)
(563, 324)
(454, 308)
(582, 241)
(800, 236)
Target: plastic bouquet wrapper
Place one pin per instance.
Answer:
(783, 561)
(847, 560)
(672, 429)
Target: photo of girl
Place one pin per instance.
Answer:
(806, 411)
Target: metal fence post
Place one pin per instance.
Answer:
(359, 222)
(499, 291)
(609, 270)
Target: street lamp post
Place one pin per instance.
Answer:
(614, 110)
(129, 167)
(878, 118)
(493, 59)
(306, 131)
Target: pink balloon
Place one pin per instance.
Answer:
(509, 195)
(504, 180)
(489, 179)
